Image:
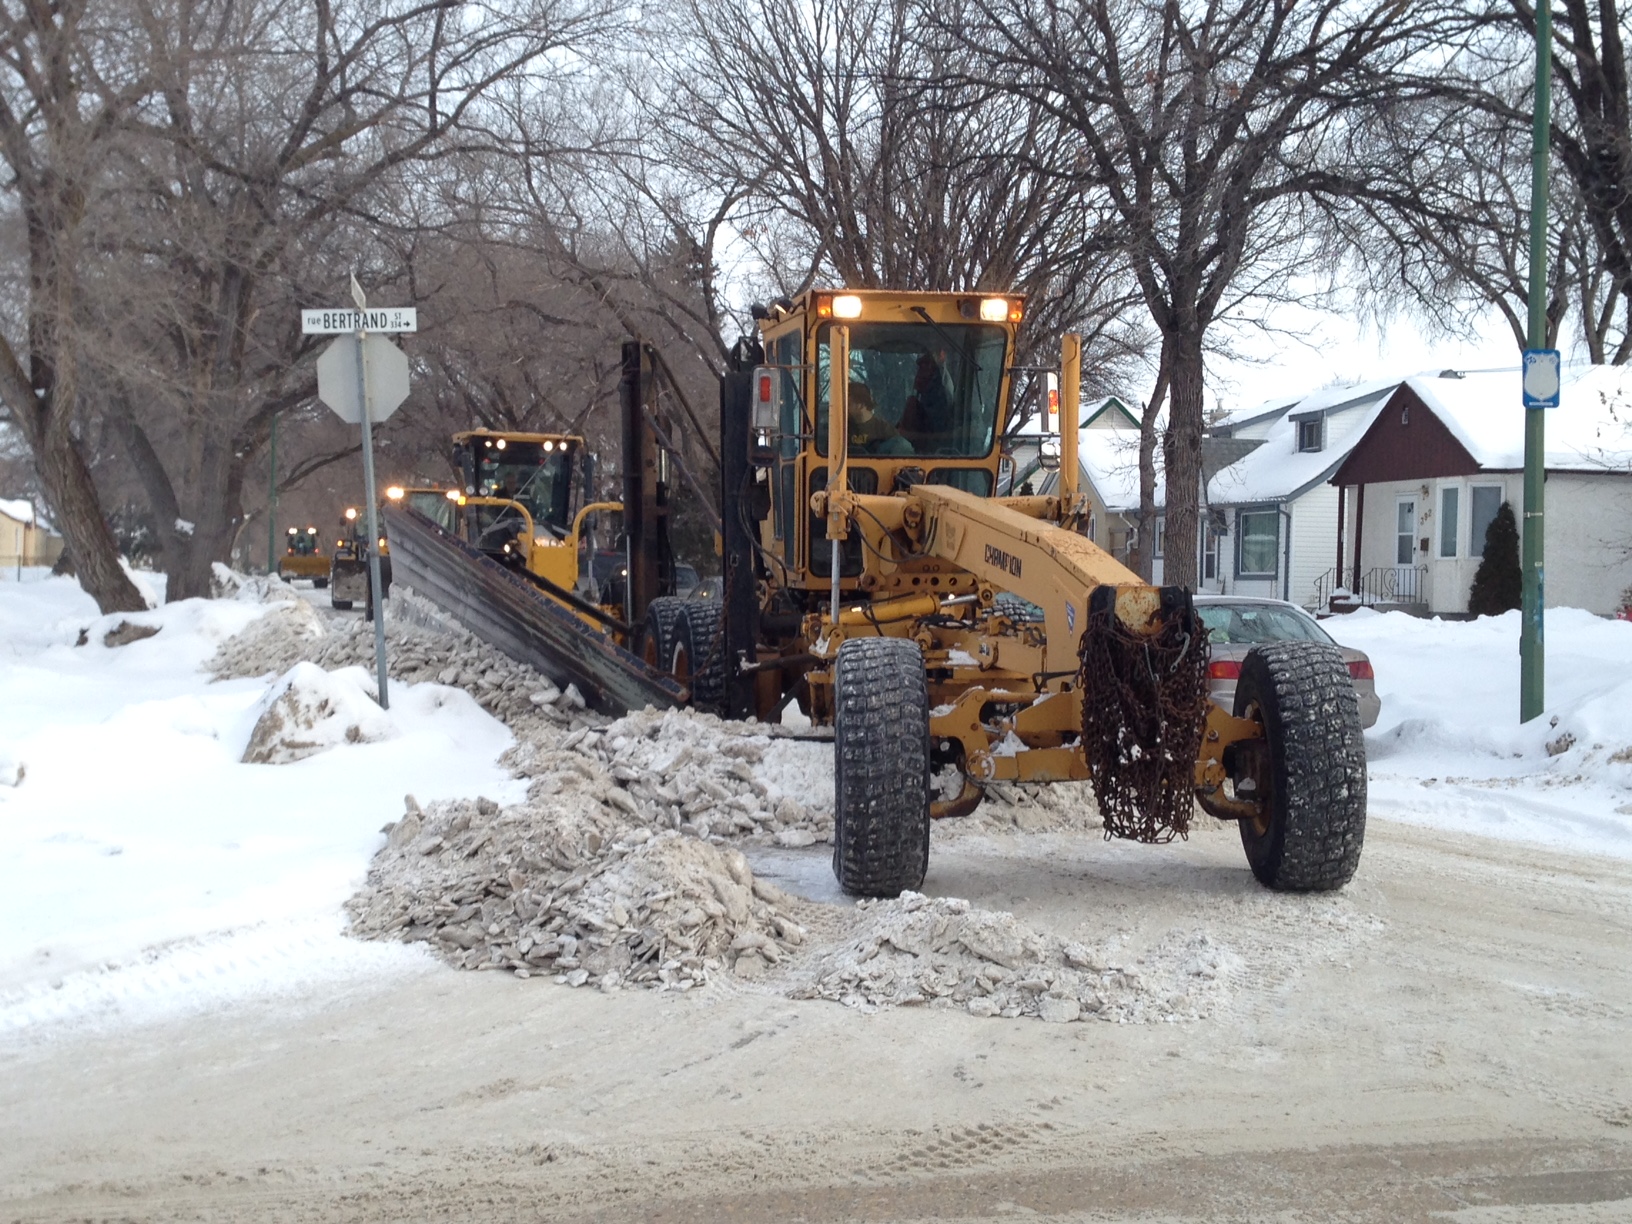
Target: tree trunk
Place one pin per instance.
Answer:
(78, 512)
(1143, 559)
(1181, 449)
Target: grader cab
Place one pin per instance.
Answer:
(950, 637)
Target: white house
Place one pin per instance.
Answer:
(1271, 522)
(1418, 489)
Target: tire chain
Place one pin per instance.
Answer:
(1144, 706)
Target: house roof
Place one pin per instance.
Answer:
(1110, 413)
(21, 511)
(1590, 430)
(1110, 460)
(1277, 471)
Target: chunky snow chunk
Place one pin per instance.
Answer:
(309, 710)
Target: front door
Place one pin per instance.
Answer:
(1404, 585)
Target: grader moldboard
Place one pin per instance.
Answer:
(949, 636)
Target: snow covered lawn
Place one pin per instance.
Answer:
(143, 869)
(1449, 750)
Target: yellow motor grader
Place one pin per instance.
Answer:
(950, 637)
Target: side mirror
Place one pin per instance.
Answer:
(1048, 454)
(767, 391)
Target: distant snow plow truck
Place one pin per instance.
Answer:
(949, 636)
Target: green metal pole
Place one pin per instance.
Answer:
(1532, 655)
(272, 506)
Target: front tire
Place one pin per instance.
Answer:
(880, 767)
(1312, 819)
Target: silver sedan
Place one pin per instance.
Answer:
(1237, 623)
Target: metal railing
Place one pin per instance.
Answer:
(1384, 584)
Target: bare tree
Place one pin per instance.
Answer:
(1208, 126)
(67, 82)
(829, 131)
(273, 155)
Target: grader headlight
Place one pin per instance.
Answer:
(847, 306)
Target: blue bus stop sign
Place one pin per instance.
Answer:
(1541, 367)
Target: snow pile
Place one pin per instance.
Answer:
(310, 710)
(570, 888)
(916, 950)
(416, 652)
(695, 773)
(226, 583)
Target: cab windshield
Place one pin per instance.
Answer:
(526, 472)
(917, 388)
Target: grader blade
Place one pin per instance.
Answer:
(508, 611)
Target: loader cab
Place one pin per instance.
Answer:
(303, 542)
(927, 393)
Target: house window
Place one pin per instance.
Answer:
(1209, 555)
(1161, 537)
(1093, 528)
(1310, 434)
(1260, 534)
(1449, 503)
(1486, 501)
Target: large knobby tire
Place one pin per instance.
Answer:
(698, 660)
(880, 767)
(657, 638)
(1309, 836)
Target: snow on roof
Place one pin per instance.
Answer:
(22, 511)
(1089, 410)
(1277, 470)
(1590, 430)
(1109, 458)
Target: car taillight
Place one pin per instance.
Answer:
(1224, 669)
(1360, 669)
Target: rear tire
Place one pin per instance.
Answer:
(699, 654)
(320, 583)
(657, 636)
(1314, 816)
(880, 767)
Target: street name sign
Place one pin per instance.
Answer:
(379, 319)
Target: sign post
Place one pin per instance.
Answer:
(363, 378)
(1540, 369)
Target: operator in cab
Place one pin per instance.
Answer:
(870, 433)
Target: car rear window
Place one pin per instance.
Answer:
(1255, 623)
